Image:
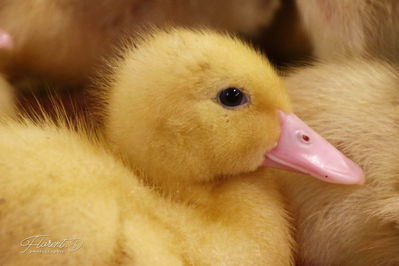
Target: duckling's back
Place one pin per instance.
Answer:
(56, 186)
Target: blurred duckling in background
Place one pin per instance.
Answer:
(352, 27)
(195, 116)
(62, 40)
(355, 105)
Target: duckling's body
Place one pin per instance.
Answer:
(354, 104)
(56, 183)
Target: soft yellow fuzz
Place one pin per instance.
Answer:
(355, 105)
(196, 198)
(163, 112)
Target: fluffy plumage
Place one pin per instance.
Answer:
(355, 105)
(62, 40)
(181, 107)
(195, 197)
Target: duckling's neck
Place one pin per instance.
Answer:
(174, 188)
(207, 195)
(197, 193)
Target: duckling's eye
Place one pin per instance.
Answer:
(232, 97)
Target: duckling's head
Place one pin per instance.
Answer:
(191, 106)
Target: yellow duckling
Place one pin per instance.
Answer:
(195, 115)
(355, 105)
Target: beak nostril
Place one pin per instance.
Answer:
(303, 137)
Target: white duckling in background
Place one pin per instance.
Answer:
(352, 27)
(355, 105)
(196, 116)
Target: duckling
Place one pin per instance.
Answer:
(62, 41)
(352, 27)
(191, 119)
(355, 105)
(209, 122)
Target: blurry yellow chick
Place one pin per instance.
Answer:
(62, 40)
(195, 115)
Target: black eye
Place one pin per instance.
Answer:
(232, 97)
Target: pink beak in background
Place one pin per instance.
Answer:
(300, 149)
(6, 42)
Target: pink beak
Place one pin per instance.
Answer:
(302, 150)
(6, 42)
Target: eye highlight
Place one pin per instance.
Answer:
(232, 97)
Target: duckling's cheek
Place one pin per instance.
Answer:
(268, 130)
